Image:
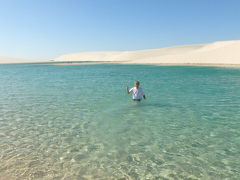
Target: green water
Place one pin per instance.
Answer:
(77, 122)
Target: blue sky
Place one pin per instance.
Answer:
(50, 28)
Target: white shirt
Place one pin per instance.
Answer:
(136, 93)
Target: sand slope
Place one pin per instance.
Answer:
(223, 52)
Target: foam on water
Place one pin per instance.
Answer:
(77, 122)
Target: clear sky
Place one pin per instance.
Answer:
(50, 28)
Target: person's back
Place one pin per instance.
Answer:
(137, 92)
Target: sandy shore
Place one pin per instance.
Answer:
(12, 60)
(158, 64)
(89, 63)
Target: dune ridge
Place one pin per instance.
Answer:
(221, 52)
(216, 53)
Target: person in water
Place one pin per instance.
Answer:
(137, 92)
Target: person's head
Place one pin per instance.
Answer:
(137, 83)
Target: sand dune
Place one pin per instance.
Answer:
(222, 52)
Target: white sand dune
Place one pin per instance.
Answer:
(222, 52)
(11, 60)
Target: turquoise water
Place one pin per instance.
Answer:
(77, 122)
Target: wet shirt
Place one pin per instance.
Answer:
(136, 93)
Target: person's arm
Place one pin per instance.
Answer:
(143, 94)
(127, 90)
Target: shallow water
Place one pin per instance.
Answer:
(77, 122)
